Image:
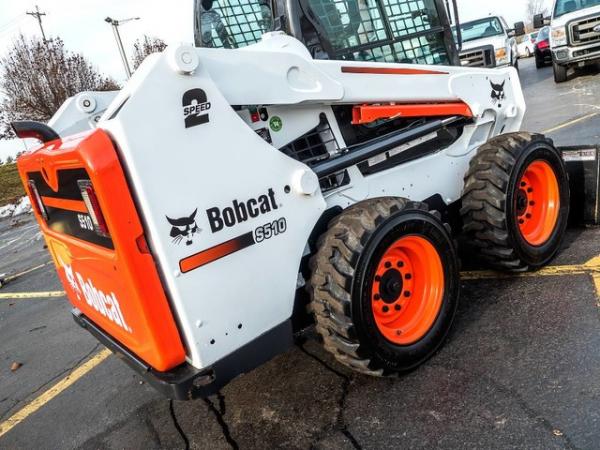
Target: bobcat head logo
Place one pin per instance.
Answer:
(498, 91)
(184, 228)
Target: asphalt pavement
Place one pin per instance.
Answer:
(521, 368)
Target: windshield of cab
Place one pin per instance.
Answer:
(563, 7)
(408, 31)
(231, 23)
(482, 28)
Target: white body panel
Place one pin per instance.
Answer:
(174, 170)
(81, 112)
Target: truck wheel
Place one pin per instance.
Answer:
(539, 62)
(516, 201)
(560, 73)
(384, 286)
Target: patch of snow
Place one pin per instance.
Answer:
(23, 206)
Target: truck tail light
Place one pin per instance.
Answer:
(36, 200)
(543, 45)
(93, 206)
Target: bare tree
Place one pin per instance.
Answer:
(37, 77)
(535, 7)
(144, 47)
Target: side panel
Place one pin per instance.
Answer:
(224, 218)
(113, 281)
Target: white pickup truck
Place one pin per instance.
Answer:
(489, 42)
(575, 34)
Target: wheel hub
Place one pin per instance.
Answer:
(407, 290)
(522, 202)
(390, 286)
(537, 203)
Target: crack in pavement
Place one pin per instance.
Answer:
(51, 380)
(529, 411)
(220, 416)
(521, 402)
(340, 424)
(186, 441)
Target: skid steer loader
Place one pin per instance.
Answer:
(308, 155)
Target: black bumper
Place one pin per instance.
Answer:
(583, 165)
(185, 382)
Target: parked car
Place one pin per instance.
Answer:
(527, 47)
(489, 42)
(543, 54)
(574, 35)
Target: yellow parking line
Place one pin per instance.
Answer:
(21, 295)
(25, 272)
(591, 267)
(570, 123)
(59, 387)
(551, 271)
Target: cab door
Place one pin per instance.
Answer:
(402, 31)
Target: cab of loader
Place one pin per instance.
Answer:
(393, 31)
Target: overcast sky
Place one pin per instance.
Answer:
(80, 23)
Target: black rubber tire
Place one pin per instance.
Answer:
(489, 201)
(345, 261)
(539, 63)
(560, 73)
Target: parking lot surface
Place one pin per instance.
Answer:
(521, 368)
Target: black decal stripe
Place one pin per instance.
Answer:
(217, 252)
(67, 222)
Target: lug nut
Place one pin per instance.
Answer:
(528, 216)
(530, 190)
(388, 265)
(377, 278)
(408, 276)
(397, 307)
(531, 203)
(521, 221)
(400, 264)
(398, 332)
(407, 294)
(377, 297)
(385, 309)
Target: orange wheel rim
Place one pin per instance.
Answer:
(407, 290)
(538, 203)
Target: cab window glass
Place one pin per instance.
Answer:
(382, 30)
(231, 23)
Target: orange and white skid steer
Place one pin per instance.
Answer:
(226, 192)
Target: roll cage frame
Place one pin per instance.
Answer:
(298, 19)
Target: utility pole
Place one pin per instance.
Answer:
(115, 26)
(38, 15)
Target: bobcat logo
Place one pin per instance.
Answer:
(498, 91)
(184, 228)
